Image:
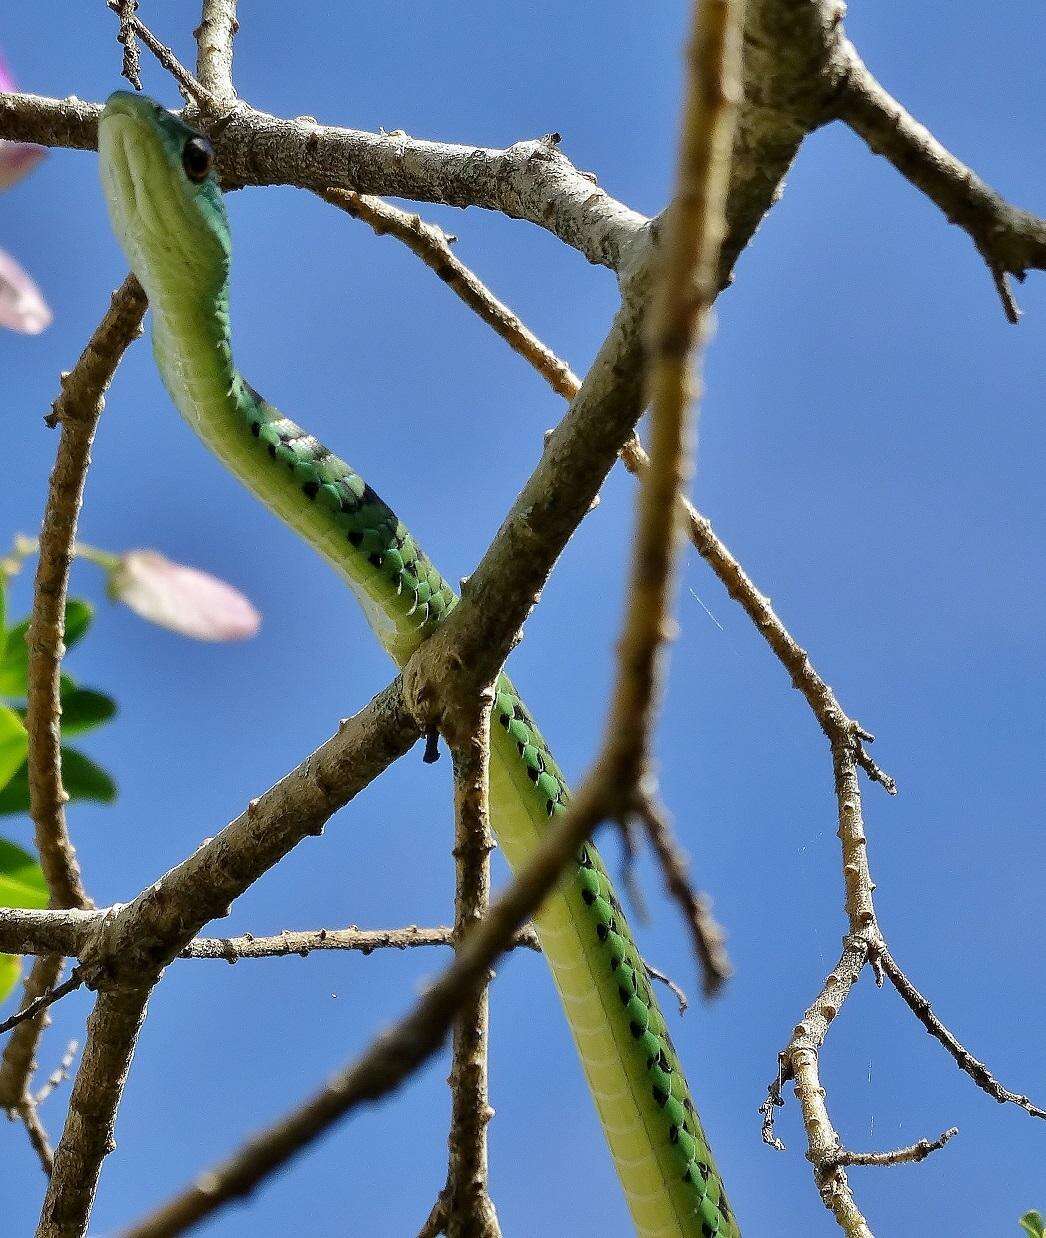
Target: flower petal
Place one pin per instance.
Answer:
(16, 158)
(22, 307)
(181, 598)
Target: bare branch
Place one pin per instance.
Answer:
(26, 1111)
(26, 931)
(469, 1211)
(125, 955)
(131, 26)
(112, 1032)
(432, 245)
(978, 1072)
(1010, 240)
(899, 1156)
(127, 10)
(77, 411)
(214, 36)
(44, 1000)
(705, 934)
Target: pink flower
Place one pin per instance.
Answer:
(22, 307)
(181, 598)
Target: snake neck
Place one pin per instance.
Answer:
(317, 493)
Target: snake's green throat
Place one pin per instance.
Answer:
(167, 212)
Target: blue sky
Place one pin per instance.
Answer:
(871, 446)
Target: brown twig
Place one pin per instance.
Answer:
(41, 1144)
(432, 245)
(977, 1070)
(130, 68)
(77, 411)
(43, 1001)
(706, 936)
(1010, 240)
(914, 1153)
(214, 37)
(366, 941)
(60, 1073)
(468, 1210)
(191, 89)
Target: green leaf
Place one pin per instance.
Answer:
(83, 709)
(84, 780)
(10, 971)
(21, 885)
(21, 878)
(14, 798)
(78, 616)
(15, 661)
(1032, 1223)
(13, 744)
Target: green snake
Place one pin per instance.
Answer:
(167, 212)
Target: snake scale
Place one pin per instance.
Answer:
(167, 212)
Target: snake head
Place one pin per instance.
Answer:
(164, 201)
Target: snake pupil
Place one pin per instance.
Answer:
(197, 158)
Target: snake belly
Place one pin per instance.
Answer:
(174, 231)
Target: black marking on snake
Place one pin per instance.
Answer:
(256, 428)
(532, 774)
(673, 1133)
(704, 1170)
(602, 931)
(376, 559)
(504, 719)
(311, 489)
(272, 451)
(636, 1029)
(687, 1175)
(356, 537)
(661, 1097)
(587, 897)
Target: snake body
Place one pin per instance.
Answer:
(167, 212)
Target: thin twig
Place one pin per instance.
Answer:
(77, 410)
(977, 1070)
(366, 941)
(190, 88)
(432, 245)
(41, 1144)
(1010, 240)
(470, 1211)
(60, 1073)
(31, 1009)
(130, 69)
(706, 936)
(899, 1156)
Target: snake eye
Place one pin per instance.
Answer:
(197, 159)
